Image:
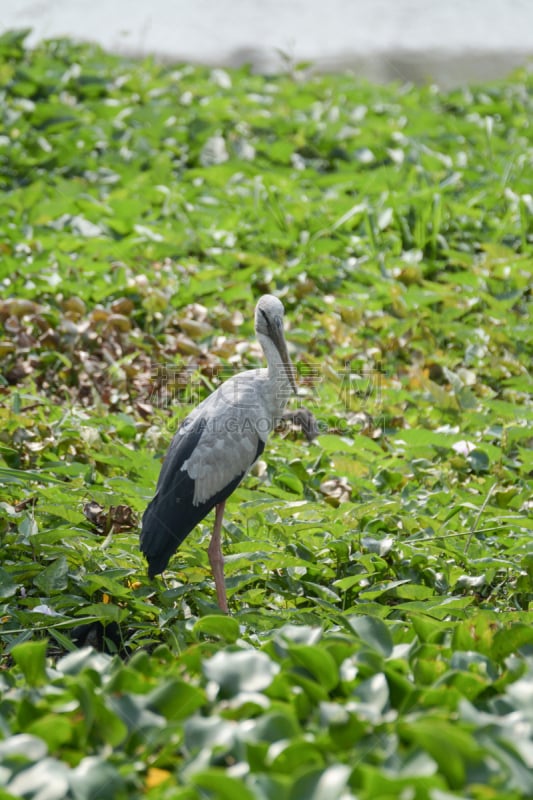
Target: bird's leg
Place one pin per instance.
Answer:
(216, 559)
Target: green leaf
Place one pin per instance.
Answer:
(292, 756)
(30, 657)
(452, 748)
(53, 578)
(321, 784)
(240, 671)
(374, 693)
(373, 632)
(12, 42)
(317, 662)
(47, 778)
(222, 785)
(96, 779)
(510, 640)
(478, 460)
(53, 729)
(218, 626)
(23, 745)
(176, 699)
(425, 438)
(8, 587)
(74, 663)
(275, 726)
(26, 476)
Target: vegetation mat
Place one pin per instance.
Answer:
(380, 643)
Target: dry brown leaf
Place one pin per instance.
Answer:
(336, 491)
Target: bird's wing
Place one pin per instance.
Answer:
(207, 458)
(234, 433)
(172, 513)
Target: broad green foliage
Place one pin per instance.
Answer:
(380, 578)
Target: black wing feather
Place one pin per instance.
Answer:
(171, 515)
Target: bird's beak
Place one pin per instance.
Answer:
(281, 346)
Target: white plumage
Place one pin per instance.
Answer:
(238, 419)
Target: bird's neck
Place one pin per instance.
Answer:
(277, 373)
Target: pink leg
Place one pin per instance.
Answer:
(216, 559)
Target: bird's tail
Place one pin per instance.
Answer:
(158, 540)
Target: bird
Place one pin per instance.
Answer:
(214, 448)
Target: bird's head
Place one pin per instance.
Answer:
(269, 324)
